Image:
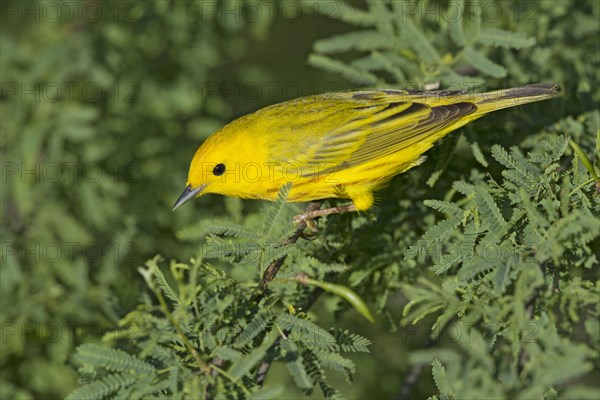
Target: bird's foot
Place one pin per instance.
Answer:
(308, 216)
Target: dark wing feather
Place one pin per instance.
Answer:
(395, 135)
(385, 131)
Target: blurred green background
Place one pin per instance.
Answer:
(103, 106)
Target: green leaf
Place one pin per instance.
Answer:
(164, 285)
(434, 235)
(351, 341)
(585, 161)
(441, 379)
(335, 361)
(111, 359)
(231, 230)
(343, 11)
(524, 174)
(445, 207)
(293, 360)
(258, 324)
(508, 40)
(386, 61)
(489, 211)
(457, 32)
(478, 154)
(305, 331)
(501, 278)
(243, 366)
(274, 212)
(474, 17)
(102, 388)
(360, 41)
(483, 64)
(344, 292)
(418, 42)
(269, 392)
(337, 67)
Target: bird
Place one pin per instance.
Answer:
(338, 145)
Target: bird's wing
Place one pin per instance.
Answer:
(374, 127)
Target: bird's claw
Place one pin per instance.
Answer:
(311, 224)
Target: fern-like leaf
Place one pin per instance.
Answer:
(353, 74)
(274, 211)
(111, 359)
(482, 63)
(242, 366)
(445, 207)
(434, 235)
(441, 379)
(351, 341)
(418, 42)
(359, 41)
(293, 361)
(508, 40)
(102, 388)
(305, 331)
(258, 324)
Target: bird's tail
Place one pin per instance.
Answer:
(505, 98)
(451, 101)
(490, 101)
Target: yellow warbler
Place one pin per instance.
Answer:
(343, 145)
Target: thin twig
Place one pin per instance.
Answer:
(414, 375)
(269, 275)
(530, 307)
(266, 278)
(273, 268)
(411, 379)
(263, 369)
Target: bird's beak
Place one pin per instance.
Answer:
(188, 194)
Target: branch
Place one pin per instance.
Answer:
(411, 379)
(413, 376)
(523, 356)
(273, 268)
(267, 277)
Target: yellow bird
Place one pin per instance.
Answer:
(338, 145)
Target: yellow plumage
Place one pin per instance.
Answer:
(343, 145)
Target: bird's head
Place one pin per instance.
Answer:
(226, 163)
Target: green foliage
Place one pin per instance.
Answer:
(509, 270)
(102, 107)
(212, 334)
(460, 44)
(480, 265)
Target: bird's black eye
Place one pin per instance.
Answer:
(219, 169)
